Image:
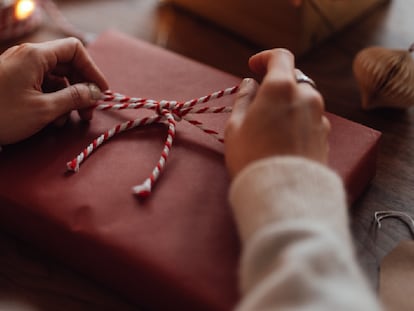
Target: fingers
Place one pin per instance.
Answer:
(258, 63)
(61, 121)
(280, 67)
(326, 124)
(233, 134)
(309, 96)
(81, 97)
(288, 102)
(262, 62)
(279, 81)
(245, 96)
(304, 79)
(68, 58)
(326, 129)
(70, 53)
(53, 83)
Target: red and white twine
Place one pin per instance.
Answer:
(168, 112)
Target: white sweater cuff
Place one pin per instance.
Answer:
(280, 189)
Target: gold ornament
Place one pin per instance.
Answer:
(385, 77)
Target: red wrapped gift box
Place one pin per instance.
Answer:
(178, 249)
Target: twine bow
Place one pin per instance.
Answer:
(168, 112)
(13, 27)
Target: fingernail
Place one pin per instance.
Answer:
(95, 91)
(245, 83)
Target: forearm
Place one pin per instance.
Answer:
(297, 251)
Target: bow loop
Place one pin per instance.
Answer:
(167, 111)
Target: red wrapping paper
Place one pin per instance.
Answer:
(178, 249)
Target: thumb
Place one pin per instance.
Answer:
(247, 93)
(81, 97)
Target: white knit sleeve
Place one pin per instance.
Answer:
(297, 251)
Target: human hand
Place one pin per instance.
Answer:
(278, 117)
(41, 83)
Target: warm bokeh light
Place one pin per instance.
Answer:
(24, 8)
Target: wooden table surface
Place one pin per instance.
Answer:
(29, 280)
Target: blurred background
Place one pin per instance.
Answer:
(221, 33)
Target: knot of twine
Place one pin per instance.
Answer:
(167, 112)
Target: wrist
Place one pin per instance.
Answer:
(279, 189)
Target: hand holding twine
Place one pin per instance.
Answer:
(168, 112)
